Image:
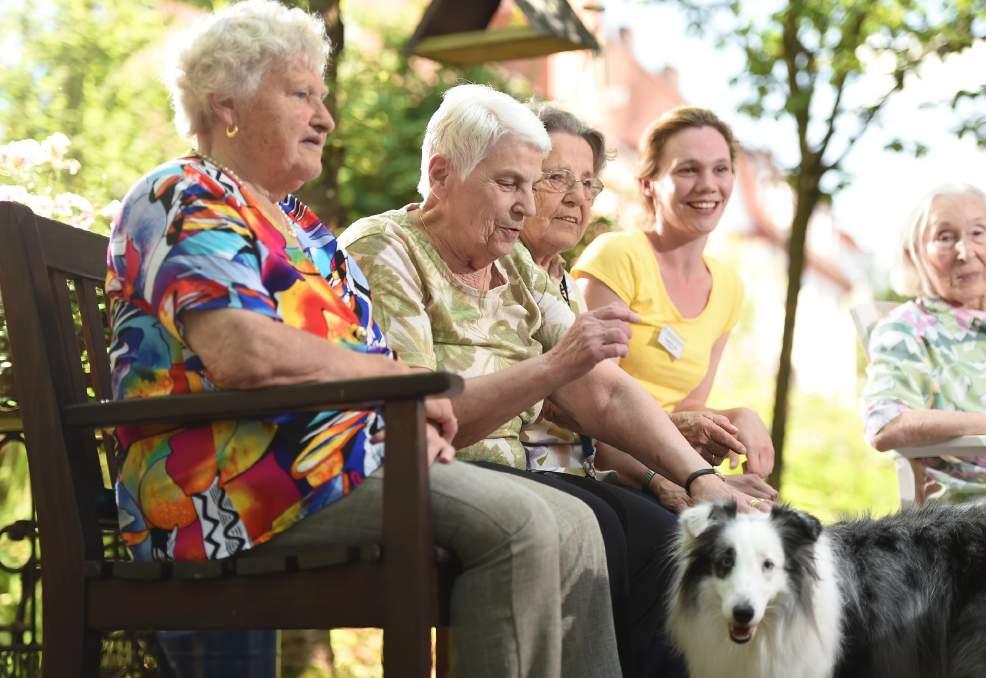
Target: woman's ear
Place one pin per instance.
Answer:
(646, 189)
(224, 110)
(439, 171)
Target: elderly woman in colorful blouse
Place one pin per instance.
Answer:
(456, 291)
(219, 278)
(926, 381)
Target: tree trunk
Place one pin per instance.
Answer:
(322, 195)
(808, 194)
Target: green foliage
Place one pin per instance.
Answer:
(805, 63)
(89, 69)
(384, 106)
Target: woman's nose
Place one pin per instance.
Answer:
(323, 120)
(961, 249)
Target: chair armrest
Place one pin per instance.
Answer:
(963, 446)
(10, 422)
(347, 394)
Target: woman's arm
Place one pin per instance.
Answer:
(750, 430)
(492, 399)
(246, 350)
(611, 406)
(631, 473)
(913, 428)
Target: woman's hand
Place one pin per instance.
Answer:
(438, 447)
(756, 439)
(440, 414)
(711, 488)
(753, 485)
(712, 435)
(670, 495)
(594, 336)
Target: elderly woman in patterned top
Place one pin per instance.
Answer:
(926, 381)
(220, 279)
(456, 291)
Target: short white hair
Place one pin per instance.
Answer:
(229, 52)
(470, 121)
(909, 276)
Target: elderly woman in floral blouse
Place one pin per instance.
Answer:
(926, 381)
(456, 290)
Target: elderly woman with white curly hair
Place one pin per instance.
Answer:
(457, 291)
(926, 381)
(219, 278)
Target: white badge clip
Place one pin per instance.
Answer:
(671, 341)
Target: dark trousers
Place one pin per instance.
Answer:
(637, 532)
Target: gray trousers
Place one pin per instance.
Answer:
(533, 596)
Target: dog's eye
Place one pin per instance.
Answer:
(768, 565)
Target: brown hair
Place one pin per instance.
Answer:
(657, 134)
(557, 120)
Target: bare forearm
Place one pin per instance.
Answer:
(245, 350)
(629, 471)
(489, 401)
(610, 406)
(914, 428)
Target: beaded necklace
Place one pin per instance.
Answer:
(282, 223)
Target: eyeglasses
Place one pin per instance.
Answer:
(562, 180)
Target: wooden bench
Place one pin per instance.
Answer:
(51, 281)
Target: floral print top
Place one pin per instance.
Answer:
(928, 354)
(435, 321)
(189, 237)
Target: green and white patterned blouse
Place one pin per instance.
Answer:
(435, 321)
(927, 354)
(551, 447)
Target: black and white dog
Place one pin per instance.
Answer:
(778, 596)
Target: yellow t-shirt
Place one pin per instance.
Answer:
(625, 262)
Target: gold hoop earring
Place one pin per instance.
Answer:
(232, 131)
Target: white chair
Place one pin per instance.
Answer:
(910, 475)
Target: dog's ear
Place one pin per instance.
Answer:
(804, 526)
(696, 520)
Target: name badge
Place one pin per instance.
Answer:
(671, 341)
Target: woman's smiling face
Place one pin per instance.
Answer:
(695, 181)
(561, 218)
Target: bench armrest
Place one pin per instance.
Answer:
(348, 394)
(963, 446)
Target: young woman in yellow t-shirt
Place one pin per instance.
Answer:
(687, 302)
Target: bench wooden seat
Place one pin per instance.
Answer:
(51, 281)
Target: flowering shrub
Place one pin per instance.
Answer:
(33, 173)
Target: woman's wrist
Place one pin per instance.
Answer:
(699, 476)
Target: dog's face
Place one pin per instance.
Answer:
(742, 564)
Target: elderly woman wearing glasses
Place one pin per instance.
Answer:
(925, 381)
(456, 291)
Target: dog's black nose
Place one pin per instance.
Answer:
(743, 614)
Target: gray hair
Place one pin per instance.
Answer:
(469, 122)
(229, 52)
(909, 275)
(557, 120)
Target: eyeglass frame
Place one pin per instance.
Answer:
(588, 185)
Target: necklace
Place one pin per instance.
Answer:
(281, 222)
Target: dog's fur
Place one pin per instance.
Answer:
(778, 596)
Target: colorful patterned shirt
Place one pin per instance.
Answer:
(189, 237)
(927, 354)
(435, 321)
